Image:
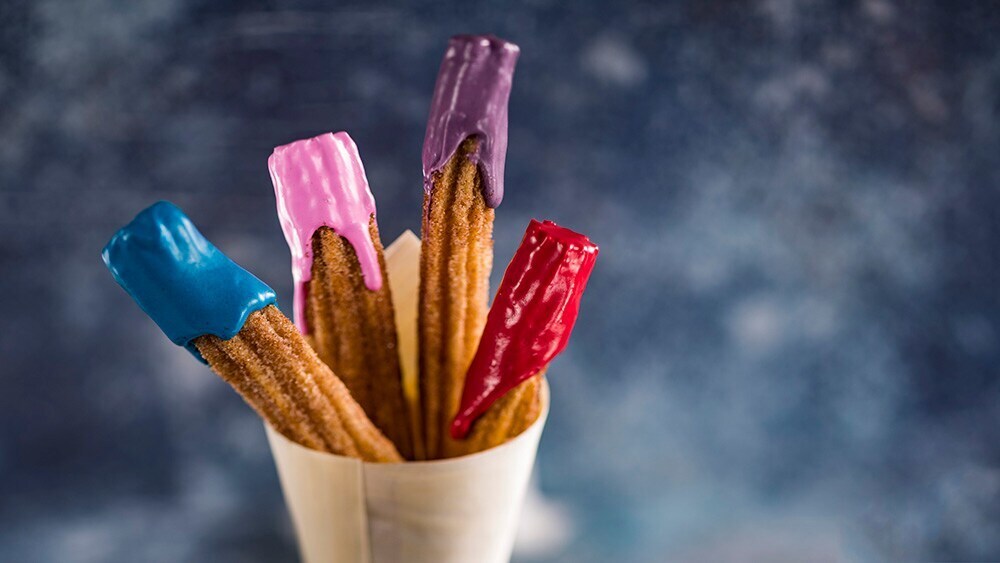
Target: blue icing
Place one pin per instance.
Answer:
(182, 281)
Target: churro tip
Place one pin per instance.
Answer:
(181, 280)
(562, 235)
(470, 100)
(321, 182)
(470, 45)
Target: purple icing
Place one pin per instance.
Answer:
(470, 99)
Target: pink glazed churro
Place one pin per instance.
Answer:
(327, 213)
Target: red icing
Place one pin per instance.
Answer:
(531, 318)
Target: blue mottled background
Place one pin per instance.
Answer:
(789, 348)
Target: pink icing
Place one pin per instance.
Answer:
(321, 182)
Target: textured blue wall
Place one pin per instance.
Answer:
(788, 350)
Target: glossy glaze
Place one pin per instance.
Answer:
(321, 182)
(470, 100)
(531, 318)
(180, 279)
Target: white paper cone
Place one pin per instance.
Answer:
(454, 510)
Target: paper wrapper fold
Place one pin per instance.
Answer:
(455, 510)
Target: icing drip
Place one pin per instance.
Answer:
(321, 182)
(180, 279)
(470, 100)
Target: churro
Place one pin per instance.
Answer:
(276, 371)
(529, 323)
(327, 213)
(510, 415)
(463, 160)
(226, 317)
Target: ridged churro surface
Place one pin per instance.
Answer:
(510, 415)
(455, 262)
(353, 331)
(276, 371)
